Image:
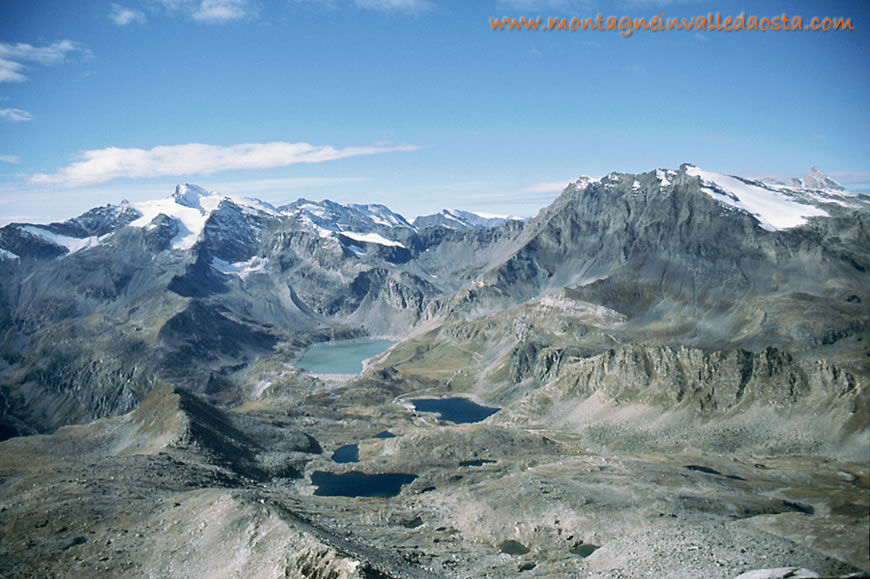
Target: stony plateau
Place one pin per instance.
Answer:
(680, 361)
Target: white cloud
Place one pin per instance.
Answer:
(545, 187)
(15, 115)
(14, 159)
(458, 187)
(212, 11)
(387, 6)
(253, 187)
(655, 3)
(394, 5)
(13, 57)
(531, 194)
(222, 10)
(101, 165)
(10, 71)
(851, 177)
(537, 5)
(123, 16)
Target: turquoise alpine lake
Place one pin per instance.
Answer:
(341, 357)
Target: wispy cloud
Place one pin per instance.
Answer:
(655, 3)
(408, 6)
(122, 16)
(851, 177)
(545, 187)
(532, 193)
(14, 159)
(15, 115)
(385, 6)
(545, 5)
(255, 186)
(212, 11)
(13, 57)
(458, 187)
(101, 165)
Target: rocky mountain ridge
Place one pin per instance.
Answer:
(222, 281)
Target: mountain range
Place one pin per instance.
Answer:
(196, 286)
(657, 312)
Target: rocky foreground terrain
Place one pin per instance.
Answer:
(679, 360)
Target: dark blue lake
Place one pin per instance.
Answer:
(478, 462)
(358, 484)
(340, 357)
(457, 410)
(347, 453)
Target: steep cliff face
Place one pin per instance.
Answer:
(677, 398)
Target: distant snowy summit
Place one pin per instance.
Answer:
(815, 179)
(458, 219)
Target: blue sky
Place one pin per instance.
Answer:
(417, 104)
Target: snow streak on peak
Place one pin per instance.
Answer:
(773, 208)
(242, 269)
(664, 176)
(382, 215)
(72, 244)
(371, 238)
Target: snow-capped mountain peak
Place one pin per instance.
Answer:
(459, 219)
(191, 206)
(775, 207)
(815, 179)
(191, 196)
(333, 216)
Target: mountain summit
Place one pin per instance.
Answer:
(817, 181)
(190, 195)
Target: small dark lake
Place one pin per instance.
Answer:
(347, 453)
(512, 547)
(384, 434)
(457, 410)
(479, 462)
(358, 484)
(583, 549)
